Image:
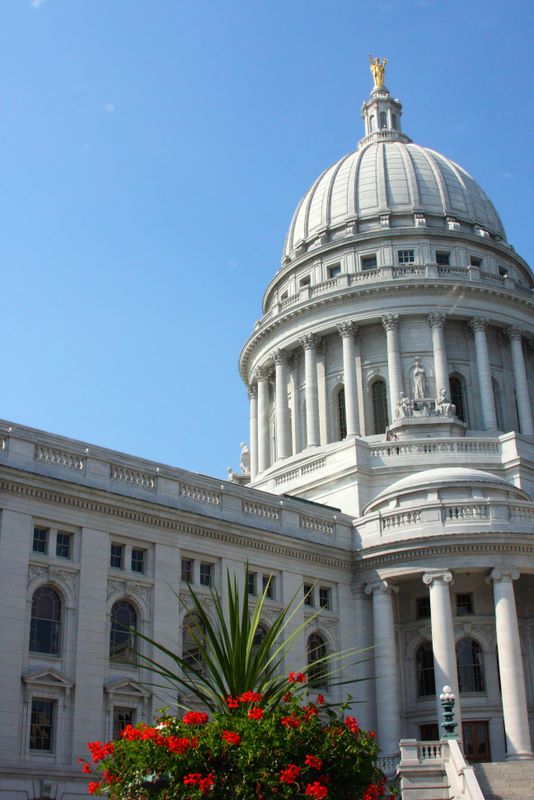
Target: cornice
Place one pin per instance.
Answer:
(253, 539)
(433, 287)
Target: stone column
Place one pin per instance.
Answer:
(441, 370)
(309, 342)
(391, 326)
(443, 644)
(262, 378)
(520, 381)
(283, 432)
(347, 331)
(253, 419)
(514, 700)
(386, 667)
(489, 416)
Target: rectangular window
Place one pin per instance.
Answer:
(325, 597)
(138, 560)
(475, 262)
(464, 604)
(267, 584)
(206, 573)
(63, 544)
(308, 594)
(252, 583)
(187, 570)
(368, 262)
(305, 281)
(116, 559)
(334, 270)
(121, 718)
(443, 259)
(503, 272)
(405, 256)
(40, 540)
(284, 295)
(42, 725)
(422, 607)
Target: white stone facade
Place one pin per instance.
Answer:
(408, 509)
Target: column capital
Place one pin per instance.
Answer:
(390, 321)
(252, 391)
(280, 356)
(309, 341)
(261, 374)
(436, 320)
(381, 586)
(513, 333)
(348, 328)
(440, 576)
(478, 324)
(504, 574)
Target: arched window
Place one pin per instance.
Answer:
(317, 649)
(457, 396)
(193, 635)
(122, 636)
(394, 124)
(45, 627)
(259, 636)
(424, 660)
(471, 676)
(380, 406)
(383, 119)
(341, 413)
(371, 123)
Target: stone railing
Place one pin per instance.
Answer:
(404, 519)
(317, 525)
(199, 494)
(58, 458)
(435, 769)
(395, 272)
(260, 510)
(432, 447)
(465, 511)
(134, 477)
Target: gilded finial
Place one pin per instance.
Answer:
(377, 69)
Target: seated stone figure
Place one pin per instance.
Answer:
(404, 407)
(443, 406)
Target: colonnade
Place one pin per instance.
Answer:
(260, 411)
(514, 701)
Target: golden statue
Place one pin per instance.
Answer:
(377, 68)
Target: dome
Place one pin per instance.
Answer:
(390, 175)
(445, 477)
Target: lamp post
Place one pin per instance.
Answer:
(448, 700)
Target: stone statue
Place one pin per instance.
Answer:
(419, 380)
(443, 406)
(377, 68)
(244, 464)
(404, 407)
(232, 476)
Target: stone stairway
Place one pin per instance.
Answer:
(506, 780)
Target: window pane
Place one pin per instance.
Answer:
(63, 544)
(470, 666)
(308, 594)
(40, 540)
(334, 270)
(117, 556)
(380, 406)
(423, 607)
(424, 659)
(406, 256)
(342, 414)
(317, 673)
(193, 637)
(122, 638)
(187, 570)
(206, 573)
(138, 560)
(42, 725)
(464, 604)
(252, 576)
(442, 259)
(121, 718)
(267, 583)
(368, 262)
(325, 597)
(45, 621)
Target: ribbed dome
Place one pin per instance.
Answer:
(391, 177)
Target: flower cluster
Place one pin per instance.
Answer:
(253, 750)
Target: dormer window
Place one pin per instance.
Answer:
(368, 262)
(405, 256)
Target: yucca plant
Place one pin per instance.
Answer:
(237, 653)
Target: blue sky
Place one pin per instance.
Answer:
(152, 153)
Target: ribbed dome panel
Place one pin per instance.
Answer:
(391, 177)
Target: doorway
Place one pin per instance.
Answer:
(476, 741)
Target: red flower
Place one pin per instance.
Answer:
(231, 737)
(99, 751)
(87, 769)
(289, 774)
(291, 722)
(93, 787)
(232, 702)
(250, 697)
(178, 744)
(313, 761)
(352, 725)
(309, 712)
(287, 697)
(296, 677)
(206, 783)
(195, 718)
(291, 677)
(372, 734)
(192, 779)
(301, 678)
(255, 713)
(320, 700)
(316, 790)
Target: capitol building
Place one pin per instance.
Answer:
(388, 478)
